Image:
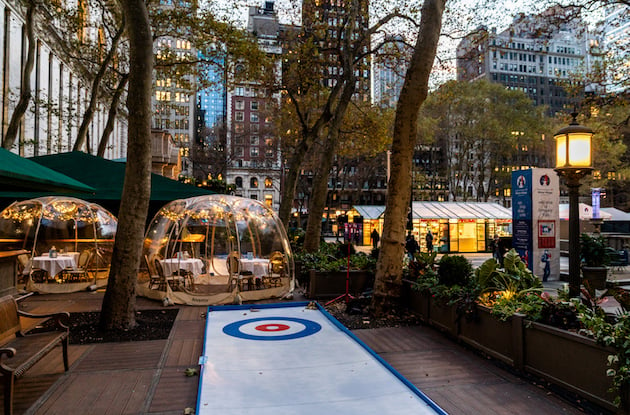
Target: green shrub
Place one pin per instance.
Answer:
(454, 270)
(593, 251)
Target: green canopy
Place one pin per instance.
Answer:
(107, 177)
(23, 177)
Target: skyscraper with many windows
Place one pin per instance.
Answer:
(535, 54)
(252, 146)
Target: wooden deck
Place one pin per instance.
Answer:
(148, 377)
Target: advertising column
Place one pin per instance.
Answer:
(522, 214)
(536, 221)
(545, 201)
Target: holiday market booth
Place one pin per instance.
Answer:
(216, 249)
(69, 242)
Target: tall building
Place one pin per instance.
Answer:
(60, 91)
(617, 44)
(535, 54)
(174, 104)
(252, 145)
(326, 21)
(208, 149)
(388, 73)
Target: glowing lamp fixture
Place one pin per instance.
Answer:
(573, 162)
(573, 146)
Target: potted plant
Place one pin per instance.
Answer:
(325, 272)
(595, 257)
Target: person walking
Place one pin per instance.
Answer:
(411, 245)
(546, 259)
(429, 239)
(375, 238)
(496, 249)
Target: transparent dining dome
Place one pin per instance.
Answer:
(68, 241)
(216, 249)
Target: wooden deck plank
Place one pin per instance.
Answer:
(112, 392)
(455, 378)
(187, 329)
(184, 352)
(123, 356)
(175, 391)
(192, 313)
(41, 377)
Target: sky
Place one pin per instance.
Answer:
(461, 17)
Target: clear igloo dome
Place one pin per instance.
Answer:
(216, 249)
(69, 242)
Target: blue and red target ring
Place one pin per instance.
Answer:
(272, 328)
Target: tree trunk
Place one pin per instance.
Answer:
(111, 116)
(96, 82)
(319, 192)
(120, 298)
(291, 179)
(414, 92)
(25, 91)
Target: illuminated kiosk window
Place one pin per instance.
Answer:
(70, 242)
(216, 249)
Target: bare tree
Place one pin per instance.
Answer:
(120, 298)
(25, 88)
(414, 91)
(96, 87)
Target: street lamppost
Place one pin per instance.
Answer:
(573, 162)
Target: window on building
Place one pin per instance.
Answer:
(253, 151)
(269, 201)
(253, 183)
(268, 183)
(253, 117)
(238, 182)
(239, 104)
(253, 140)
(253, 105)
(239, 116)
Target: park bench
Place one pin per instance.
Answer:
(21, 349)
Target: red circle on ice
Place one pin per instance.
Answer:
(272, 327)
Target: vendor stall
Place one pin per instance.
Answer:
(69, 242)
(216, 249)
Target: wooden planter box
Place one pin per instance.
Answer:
(416, 301)
(443, 317)
(333, 284)
(499, 339)
(574, 362)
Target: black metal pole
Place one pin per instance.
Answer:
(573, 184)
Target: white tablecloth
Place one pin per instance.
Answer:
(73, 255)
(54, 265)
(172, 265)
(257, 266)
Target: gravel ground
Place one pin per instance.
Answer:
(151, 325)
(356, 315)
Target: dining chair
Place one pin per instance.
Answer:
(277, 270)
(80, 273)
(172, 280)
(154, 277)
(238, 276)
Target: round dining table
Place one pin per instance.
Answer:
(172, 265)
(54, 266)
